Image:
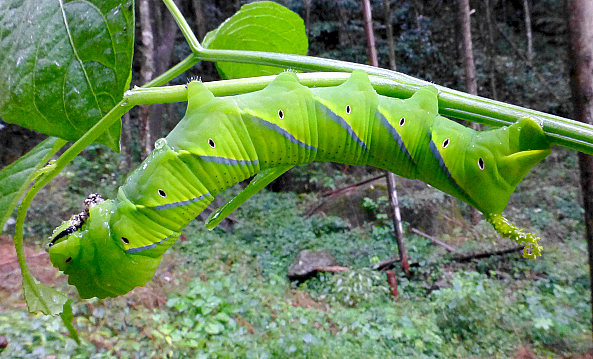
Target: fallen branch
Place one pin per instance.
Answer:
(332, 269)
(469, 257)
(331, 194)
(389, 263)
(354, 185)
(434, 240)
(386, 264)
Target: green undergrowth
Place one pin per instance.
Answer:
(228, 295)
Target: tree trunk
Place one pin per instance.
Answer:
(343, 35)
(528, 32)
(158, 31)
(491, 51)
(580, 24)
(395, 213)
(368, 28)
(165, 44)
(471, 85)
(468, 56)
(200, 18)
(389, 29)
(147, 71)
(307, 16)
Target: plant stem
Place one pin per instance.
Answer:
(191, 39)
(22, 212)
(561, 131)
(56, 167)
(453, 103)
(173, 72)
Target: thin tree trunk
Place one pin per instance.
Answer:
(368, 28)
(528, 32)
(389, 27)
(307, 15)
(580, 24)
(395, 213)
(468, 56)
(343, 35)
(542, 80)
(158, 32)
(471, 85)
(147, 71)
(491, 51)
(165, 44)
(200, 18)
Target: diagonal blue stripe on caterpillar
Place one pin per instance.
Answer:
(181, 203)
(283, 132)
(146, 247)
(229, 161)
(339, 120)
(395, 135)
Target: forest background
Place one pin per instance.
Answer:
(226, 293)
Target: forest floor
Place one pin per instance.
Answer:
(225, 293)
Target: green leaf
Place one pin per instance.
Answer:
(213, 327)
(41, 298)
(259, 26)
(65, 64)
(17, 176)
(67, 318)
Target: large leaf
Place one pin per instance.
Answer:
(260, 26)
(16, 177)
(64, 64)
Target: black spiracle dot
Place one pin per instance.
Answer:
(481, 163)
(445, 143)
(348, 109)
(162, 193)
(211, 143)
(69, 259)
(402, 121)
(125, 240)
(281, 114)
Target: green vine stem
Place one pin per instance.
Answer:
(45, 175)
(561, 131)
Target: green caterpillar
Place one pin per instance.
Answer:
(116, 245)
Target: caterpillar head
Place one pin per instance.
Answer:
(497, 160)
(83, 248)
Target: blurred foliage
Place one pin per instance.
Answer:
(232, 298)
